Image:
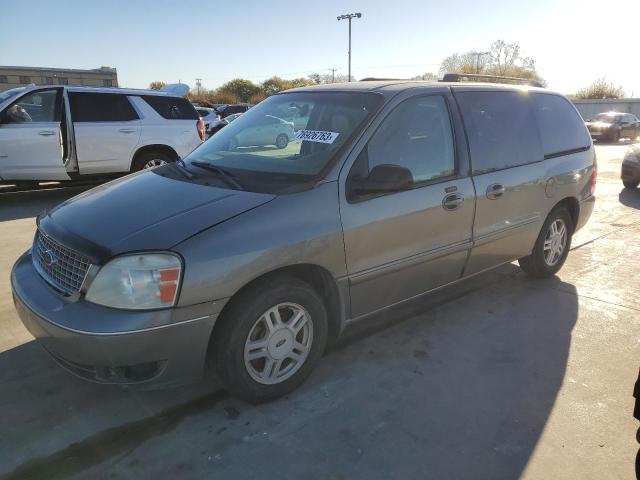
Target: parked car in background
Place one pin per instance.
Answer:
(221, 123)
(266, 130)
(65, 132)
(612, 126)
(249, 260)
(226, 110)
(630, 171)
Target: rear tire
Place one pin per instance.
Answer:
(631, 183)
(148, 160)
(615, 137)
(552, 245)
(255, 348)
(282, 141)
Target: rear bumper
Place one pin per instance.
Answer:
(80, 337)
(585, 211)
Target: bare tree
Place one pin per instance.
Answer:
(425, 76)
(156, 85)
(503, 59)
(601, 88)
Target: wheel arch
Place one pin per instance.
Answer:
(573, 207)
(154, 147)
(319, 278)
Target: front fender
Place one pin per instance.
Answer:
(298, 228)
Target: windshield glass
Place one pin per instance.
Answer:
(605, 117)
(6, 95)
(289, 137)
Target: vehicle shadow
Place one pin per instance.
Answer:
(459, 384)
(630, 197)
(471, 382)
(14, 206)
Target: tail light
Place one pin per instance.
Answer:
(594, 176)
(200, 128)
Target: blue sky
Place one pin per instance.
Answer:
(573, 41)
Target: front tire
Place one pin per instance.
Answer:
(269, 339)
(552, 246)
(149, 160)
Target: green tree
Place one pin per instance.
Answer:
(156, 85)
(601, 88)
(240, 88)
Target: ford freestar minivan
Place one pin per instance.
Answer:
(249, 258)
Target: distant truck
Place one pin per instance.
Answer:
(66, 132)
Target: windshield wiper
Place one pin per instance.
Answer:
(226, 176)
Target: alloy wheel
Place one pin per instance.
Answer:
(278, 343)
(555, 242)
(156, 162)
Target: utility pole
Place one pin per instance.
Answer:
(478, 55)
(333, 75)
(198, 84)
(349, 16)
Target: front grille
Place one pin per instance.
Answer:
(59, 265)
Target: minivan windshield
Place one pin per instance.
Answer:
(288, 138)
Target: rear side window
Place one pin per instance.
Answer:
(172, 108)
(562, 130)
(501, 129)
(101, 107)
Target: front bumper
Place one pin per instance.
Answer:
(106, 345)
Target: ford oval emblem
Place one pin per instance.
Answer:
(49, 258)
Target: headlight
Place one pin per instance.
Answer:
(139, 282)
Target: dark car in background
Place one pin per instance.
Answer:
(612, 126)
(226, 110)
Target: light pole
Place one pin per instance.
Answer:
(478, 55)
(349, 16)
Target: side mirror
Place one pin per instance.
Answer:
(384, 178)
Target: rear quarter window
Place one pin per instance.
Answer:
(562, 130)
(172, 108)
(501, 129)
(101, 107)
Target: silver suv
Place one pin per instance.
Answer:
(248, 258)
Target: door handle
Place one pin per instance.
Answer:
(47, 133)
(452, 201)
(127, 130)
(495, 191)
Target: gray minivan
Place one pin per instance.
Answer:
(248, 259)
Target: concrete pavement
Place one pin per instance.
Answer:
(499, 377)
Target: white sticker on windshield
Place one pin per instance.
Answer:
(316, 136)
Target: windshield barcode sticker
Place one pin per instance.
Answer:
(316, 136)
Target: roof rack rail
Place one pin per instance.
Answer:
(470, 77)
(376, 79)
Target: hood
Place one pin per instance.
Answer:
(144, 211)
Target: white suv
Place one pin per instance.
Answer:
(62, 132)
